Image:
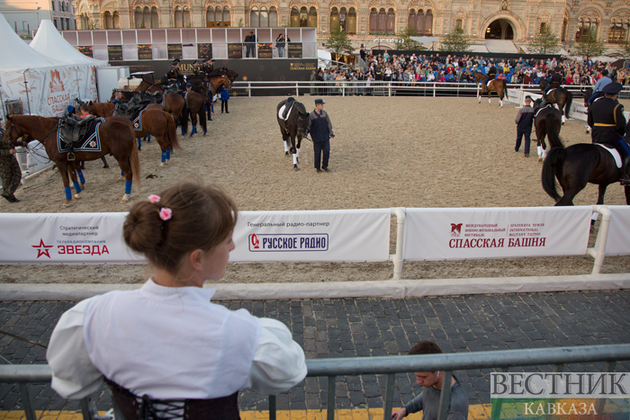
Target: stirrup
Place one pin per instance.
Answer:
(624, 182)
(71, 157)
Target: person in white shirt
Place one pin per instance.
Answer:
(167, 340)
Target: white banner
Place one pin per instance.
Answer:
(618, 241)
(455, 234)
(327, 235)
(56, 238)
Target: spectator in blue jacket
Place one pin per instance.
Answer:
(225, 97)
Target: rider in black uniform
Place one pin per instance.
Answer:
(174, 75)
(492, 74)
(605, 117)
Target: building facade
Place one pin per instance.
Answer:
(24, 15)
(374, 23)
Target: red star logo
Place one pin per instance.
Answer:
(42, 249)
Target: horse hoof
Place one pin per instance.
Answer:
(107, 166)
(66, 204)
(125, 198)
(161, 164)
(77, 196)
(286, 153)
(82, 186)
(295, 168)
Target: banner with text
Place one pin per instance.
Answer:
(330, 235)
(618, 241)
(56, 238)
(455, 234)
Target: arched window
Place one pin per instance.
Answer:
(428, 23)
(312, 17)
(411, 20)
(273, 17)
(108, 21)
(391, 21)
(138, 18)
(543, 27)
(264, 17)
(382, 21)
(565, 27)
(146, 17)
(334, 20)
(227, 20)
(351, 26)
(303, 17)
(186, 15)
(585, 25)
(618, 32)
(295, 17)
(373, 26)
(459, 24)
(420, 22)
(155, 19)
(178, 18)
(254, 17)
(210, 17)
(85, 21)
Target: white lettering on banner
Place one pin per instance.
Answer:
(279, 243)
(82, 249)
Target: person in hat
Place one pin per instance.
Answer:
(524, 123)
(608, 125)
(321, 130)
(174, 76)
(197, 69)
(208, 66)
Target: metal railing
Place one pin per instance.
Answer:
(385, 365)
(382, 88)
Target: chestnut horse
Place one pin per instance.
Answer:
(495, 85)
(154, 121)
(173, 102)
(116, 136)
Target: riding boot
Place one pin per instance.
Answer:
(71, 157)
(624, 175)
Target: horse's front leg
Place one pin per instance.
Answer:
(63, 170)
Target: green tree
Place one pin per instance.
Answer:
(338, 43)
(405, 43)
(455, 41)
(589, 46)
(546, 42)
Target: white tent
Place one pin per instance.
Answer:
(44, 85)
(52, 44)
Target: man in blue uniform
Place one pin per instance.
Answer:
(608, 124)
(321, 131)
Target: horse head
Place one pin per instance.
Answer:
(12, 131)
(302, 119)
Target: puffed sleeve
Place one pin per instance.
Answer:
(74, 376)
(279, 363)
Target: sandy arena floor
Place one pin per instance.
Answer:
(388, 152)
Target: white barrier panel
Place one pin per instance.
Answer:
(618, 241)
(56, 238)
(455, 234)
(327, 235)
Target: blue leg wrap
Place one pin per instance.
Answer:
(77, 187)
(81, 177)
(164, 157)
(183, 134)
(149, 137)
(625, 147)
(128, 187)
(68, 193)
(139, 142)
(168, 154)
(194, 130)
(122, 173)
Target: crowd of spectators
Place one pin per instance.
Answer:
(412, 68)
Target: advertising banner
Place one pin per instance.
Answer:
(265, 50)
(456, 234)
(235, 50)
(86, 50)
(618, 241)
(331, 235)
(174, 51)
(114, 52)
(55, 238)
(294, 50)
(145, 52)
(204, 51)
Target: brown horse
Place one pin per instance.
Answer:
(195, 105)
(540, 124)
(495, 85)
(558, 95)
(116, 136)
(154, 121)
(173, 102)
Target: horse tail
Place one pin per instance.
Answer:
(554, 158)
(552, 131)
(171, 131)
(135, 160)
(202, 117)
(567, 106)
(505, 92)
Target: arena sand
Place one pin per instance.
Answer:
(388, 152)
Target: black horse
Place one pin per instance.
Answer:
(559, 95)
(541, 111)
(587, 92)
(293, 121)
(576, 166)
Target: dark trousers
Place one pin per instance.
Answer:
(224, 104)
(318, 148)
(528, 139)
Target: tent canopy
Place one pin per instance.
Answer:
(50, 43)
(18, 56)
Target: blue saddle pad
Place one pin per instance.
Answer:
(90, 141)
(137, 122)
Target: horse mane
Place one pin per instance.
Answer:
(299, 106)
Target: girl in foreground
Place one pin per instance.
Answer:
(165, 348)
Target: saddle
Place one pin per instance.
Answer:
(74, 128)
(614, 152)
(132, 108)
(285, 110)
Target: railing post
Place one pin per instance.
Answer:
(249, 89)
(389, 396)
(29, 411)
(272, 407)
(330, 413)
(297, 89)
(445, 394)
(89, 412)
(401, 220)
(599, 250)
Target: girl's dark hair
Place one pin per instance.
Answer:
(201, 218)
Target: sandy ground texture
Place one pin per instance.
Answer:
(388, 152)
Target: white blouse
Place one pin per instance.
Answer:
(170, 343)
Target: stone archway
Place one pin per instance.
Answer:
(500, 29)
